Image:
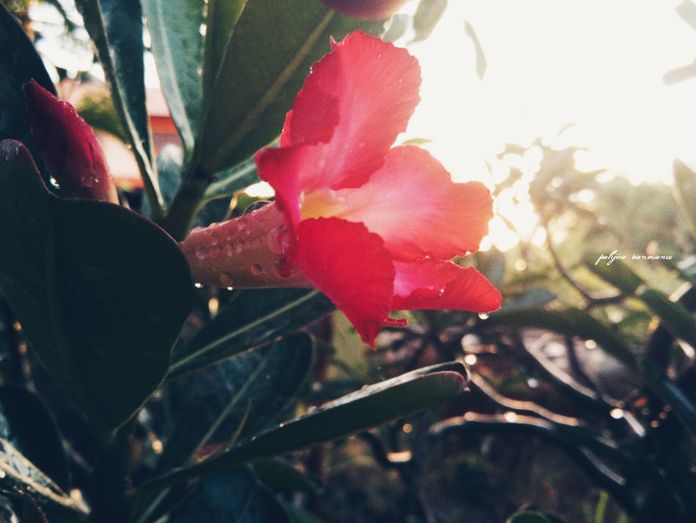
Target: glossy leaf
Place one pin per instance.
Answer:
(19, 63)
(220, 21)
(252, 318)
(234, 495)
(245, 394)
(19, 475)
(360, 410)
(101, 313)
(26, 422)
(177, 45)
(247, 105)
(116, 27)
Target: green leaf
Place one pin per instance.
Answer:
(177, 45)
(571, 322)
(427, 16)
(269, 54)
(281, 476)
(673, 315)
(19, 63)
(370, 406)
(235, 496)
(252, 318)
(685, 193)
(221, 18)
(26, 422)
(481, 63)
(18, 474)
(100, 291)
(232, 180)
(250, 389)
(116, 27)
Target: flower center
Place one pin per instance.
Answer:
(322, 204)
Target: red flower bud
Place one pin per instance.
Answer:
(71, 150)
(365, 8)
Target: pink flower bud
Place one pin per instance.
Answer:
(71, 150)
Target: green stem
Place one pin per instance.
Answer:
(186, 204)
(112, 480)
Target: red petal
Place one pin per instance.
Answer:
(376, 88)
(442, 285)
(350, 265)
(412, 203)
(69, 146)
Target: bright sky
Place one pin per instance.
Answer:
(595, 63)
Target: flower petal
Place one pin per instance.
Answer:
(375, 85)
(412, 203)
(350, 265)
(442, 285)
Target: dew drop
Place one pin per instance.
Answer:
(229, 249)
(616, 413)
(277, 240)
(257, 269)
(225, 280)
(483, 316)
(198, 285)
(441, 292)
(201, 253)
(238, 247)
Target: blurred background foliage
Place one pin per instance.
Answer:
(582, 400)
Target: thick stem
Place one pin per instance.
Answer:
(112, 481)
(249, 251)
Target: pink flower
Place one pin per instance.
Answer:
(71, 150)
(371, 226)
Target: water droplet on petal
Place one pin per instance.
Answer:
(225, 280)
(483, 316)
(257, 269)
(616, 413)
(238, 248)
(198, 285)
(89, 181)
(201, 253)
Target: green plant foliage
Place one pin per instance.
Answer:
(177, 45)
(116, 27)
(365, 408)
(36, 436)
(246, 106)
(250, 319)
(102, 314)
(19, 63)
(238, 397)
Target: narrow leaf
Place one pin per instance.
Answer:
(177, 45)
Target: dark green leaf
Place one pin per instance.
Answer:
(221, 18)
(427, 16)
(615, 272)
(232, 496)
(116, 26)
(100, 291)
(251, 318)
(360, 410)
(177, 44)
(252, 388)
(232, 180)
(281, 476)
(492, 265)
(29, 426)
(270, 52)
(19, 63)
(532, 297)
